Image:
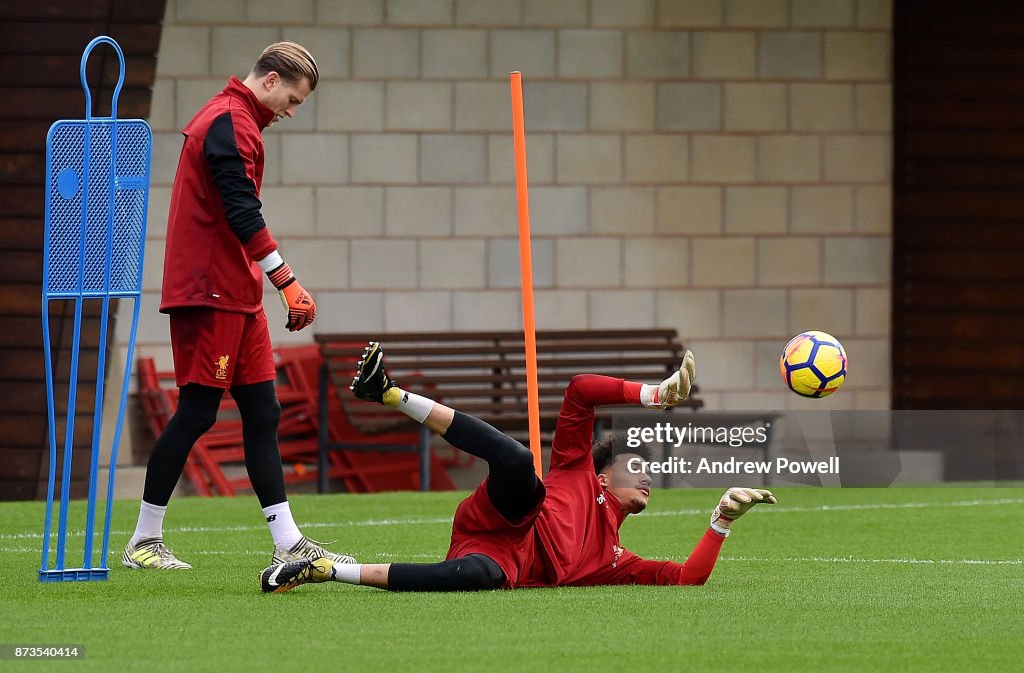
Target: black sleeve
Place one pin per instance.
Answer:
(237, 190)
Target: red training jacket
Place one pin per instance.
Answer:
(575, 540)
(215, 230)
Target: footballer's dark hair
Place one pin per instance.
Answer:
(607, 451)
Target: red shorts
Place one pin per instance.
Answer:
(479, 528)
(220, 348)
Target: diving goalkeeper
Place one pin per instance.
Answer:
(518, 531)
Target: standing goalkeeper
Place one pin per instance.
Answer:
(218, 248)
(518, 531)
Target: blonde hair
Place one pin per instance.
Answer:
(291, 61)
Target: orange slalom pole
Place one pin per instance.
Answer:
(526, 269)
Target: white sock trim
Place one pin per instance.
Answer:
(150, 523)
(282, 525)
(415, 406)
(347, 572)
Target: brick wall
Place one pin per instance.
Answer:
(717, 166)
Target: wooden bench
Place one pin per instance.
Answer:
(220, 452)
(484, 374)
(222, 445)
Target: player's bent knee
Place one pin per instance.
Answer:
(513, 454)
(273, 410)
(267, 414)
(476, 572)
(193, 422)
(259, 408)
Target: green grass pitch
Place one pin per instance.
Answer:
(829, 580)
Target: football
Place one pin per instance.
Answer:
(813, 364)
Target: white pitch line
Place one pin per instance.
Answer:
(851, 559)
(244, 529)
(29, 535)
(243, 552)
(746, 559)
(865, 506)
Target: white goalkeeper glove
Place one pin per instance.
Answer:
(735, 503)
(672, 390)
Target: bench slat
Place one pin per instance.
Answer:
(415, 381)
(576, 364)
(484, 373)
(404, 337)
(334, 350)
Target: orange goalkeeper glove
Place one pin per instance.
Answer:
(297, 301)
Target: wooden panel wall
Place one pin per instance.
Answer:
(41, 46)
(958, 248)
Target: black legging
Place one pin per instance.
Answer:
(474, 572)
(514, 490)
(261, 414)
(197, 412)
(512, 482)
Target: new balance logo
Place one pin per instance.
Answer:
(272, 517)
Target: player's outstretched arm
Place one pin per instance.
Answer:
(736, 502)
(674, 389)
(574, 431)
(733, 504)
(701, 561)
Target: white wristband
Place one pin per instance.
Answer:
(271, 262)
(647, 395)
(724, 532)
